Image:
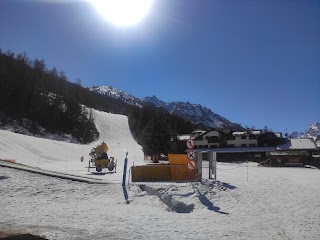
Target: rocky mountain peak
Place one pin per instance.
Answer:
(196, 113)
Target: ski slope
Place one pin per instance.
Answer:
(247, 201)
(65, 157)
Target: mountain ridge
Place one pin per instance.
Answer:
(196, 113)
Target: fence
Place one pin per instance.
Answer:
(163, 173)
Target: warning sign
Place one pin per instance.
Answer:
(190, 143)
(191, 155)
(191, 165)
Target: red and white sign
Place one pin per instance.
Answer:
(191, 155)
(190, 143)
(191, 165)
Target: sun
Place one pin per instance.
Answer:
(123, 12)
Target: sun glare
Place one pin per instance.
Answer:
(123, 12)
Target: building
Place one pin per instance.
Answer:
(243, 139)
(295, 152)
(209, 139)
(255, 145)
(222, 138)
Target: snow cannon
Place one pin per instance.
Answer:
(100, 159)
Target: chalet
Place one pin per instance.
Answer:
(255, 145)
(243, 139)
(230, 146)
(209, 139)
(295, 152)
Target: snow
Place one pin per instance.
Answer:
(298, 143)
(247, 201)
(256, 132)
(239, 133)
(238, 149)
(117, 94)
(184, 137)
(65, 157)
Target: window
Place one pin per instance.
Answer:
(231, 138)
(200, 146)
(252, 137)
(213, 146)
(204, 156)
(252, 145)
(231, 145)
(199, 138)
(205, 146)
(243, 137)
(213, 139)
(243, 145)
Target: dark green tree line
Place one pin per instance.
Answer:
(28, 89)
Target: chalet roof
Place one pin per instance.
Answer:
(211, 130)
(198, 131)
(246, 133)
(289, 153)
(256, 132)
(239, 133)
(298, 144)
(183, 137)
(236, 150)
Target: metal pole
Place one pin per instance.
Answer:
(247, 171)
(210, 159)
(214, 165)
(199, 164)
(125, 170)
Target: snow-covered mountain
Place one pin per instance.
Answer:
(296, 134)
(194, 112)
(117, 94)
(313, 131)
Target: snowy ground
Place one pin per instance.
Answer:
(246, 203)
(65, 157)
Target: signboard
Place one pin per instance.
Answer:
(190, 143)
(191, 155)
(191, 165)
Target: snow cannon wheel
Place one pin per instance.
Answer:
(98, 169)
(111, 167)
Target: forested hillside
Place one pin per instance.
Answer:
(45, 97)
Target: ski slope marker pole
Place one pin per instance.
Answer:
(125, 170)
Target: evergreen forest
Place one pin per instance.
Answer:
(47, 99)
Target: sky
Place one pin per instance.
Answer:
(253, 62)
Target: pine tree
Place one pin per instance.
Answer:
(156, 135)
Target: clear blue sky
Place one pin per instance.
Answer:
(255, 62)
